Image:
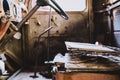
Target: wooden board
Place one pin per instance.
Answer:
(87, 47)
(86, 76)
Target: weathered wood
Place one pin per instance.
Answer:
(87, 76)
(9, 66)
(13, 57)
(3, 28)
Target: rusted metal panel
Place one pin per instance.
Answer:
(74, 29)
(77, 28)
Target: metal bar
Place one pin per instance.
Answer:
(111, 7)
(27, 16)
(48, 39)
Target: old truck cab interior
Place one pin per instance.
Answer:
(59, 40)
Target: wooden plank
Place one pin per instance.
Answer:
(13, 57)
(86, 76)
(9, 66)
